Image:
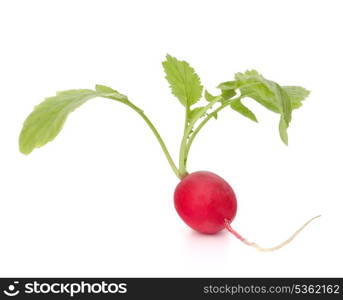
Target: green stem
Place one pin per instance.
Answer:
(201, 125)
(183, 147)
(157, 135)
(206, 108)
(186, 139)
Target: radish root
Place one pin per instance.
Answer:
(256, 246)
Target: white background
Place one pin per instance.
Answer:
(98, 201)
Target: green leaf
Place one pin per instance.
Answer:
(238, 106)
(296, 94)
(107, 92)
(209, 97)
(228, 94)
(228, 85)
(228, 89)
(269, 94)
(283, 130)
(104, 89)
(286, 106)
(253, 85)
(197, 113)
(47, 118)
(184, 82)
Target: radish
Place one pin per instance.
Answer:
(204, 201)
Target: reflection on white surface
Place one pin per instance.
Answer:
(207, 244)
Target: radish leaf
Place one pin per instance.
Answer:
(197, 113)
(283, 130)
(228, 94)
(238, 106)
(209, 97)
(296, 94)
(184, 82)
(253, 85)
(47, 118)
(269, 94)
(228, 89)
(228, 85)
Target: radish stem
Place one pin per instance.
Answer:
(201, 125)
(183, 146)
(157, 135)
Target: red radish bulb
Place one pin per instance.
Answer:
(204, 201)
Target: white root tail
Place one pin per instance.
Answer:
(256, 246)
